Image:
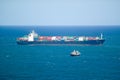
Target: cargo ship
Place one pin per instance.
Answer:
(34, 39)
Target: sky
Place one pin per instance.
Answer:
(59, 12)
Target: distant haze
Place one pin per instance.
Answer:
(59, 12)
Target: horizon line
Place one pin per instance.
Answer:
(59, 25)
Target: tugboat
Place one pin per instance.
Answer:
(75, 53)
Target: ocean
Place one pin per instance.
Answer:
(53, 62)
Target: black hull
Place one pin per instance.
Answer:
(89, 42)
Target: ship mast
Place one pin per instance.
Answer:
(101, 36)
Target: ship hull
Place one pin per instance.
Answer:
(88, 42)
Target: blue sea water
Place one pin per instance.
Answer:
(48, 62)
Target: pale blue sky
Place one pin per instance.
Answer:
(59, 12)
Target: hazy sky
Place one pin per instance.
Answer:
(59, 12)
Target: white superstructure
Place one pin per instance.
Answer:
(31, 36)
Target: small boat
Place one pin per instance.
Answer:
(75, 53)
